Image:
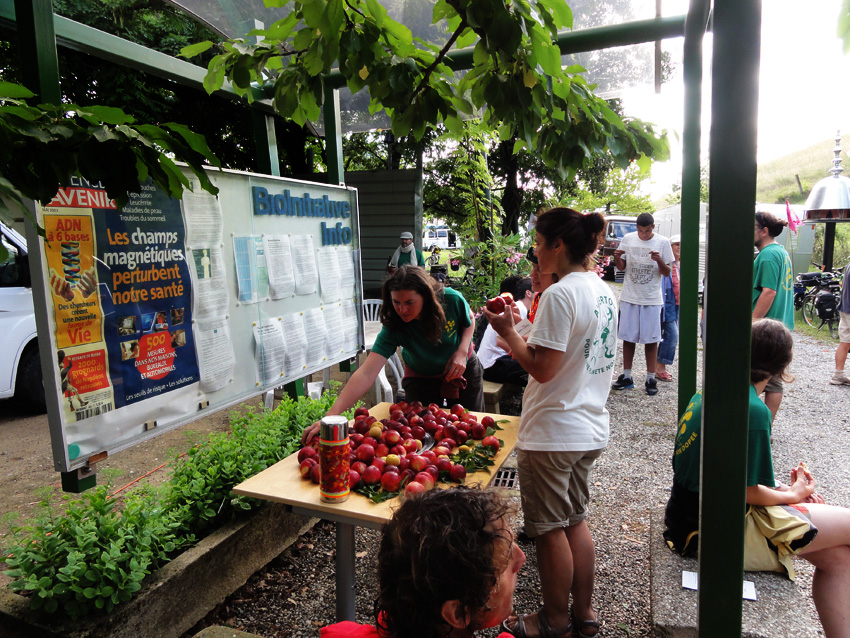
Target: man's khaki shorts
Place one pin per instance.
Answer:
(554, 488)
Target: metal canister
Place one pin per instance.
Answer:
(334, 450)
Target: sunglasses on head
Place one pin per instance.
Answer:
(530, 256)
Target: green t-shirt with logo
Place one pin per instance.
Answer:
(772, 269)
(404, 259)
(421, 355)
(686, 453)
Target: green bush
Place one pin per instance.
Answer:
(95, 555)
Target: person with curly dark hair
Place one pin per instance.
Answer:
(447, 567)
(434, 326)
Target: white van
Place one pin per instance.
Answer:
(20, 366)
(439, 236)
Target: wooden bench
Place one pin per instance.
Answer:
(495, 392)
(780, 608)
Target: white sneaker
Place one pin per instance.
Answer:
(839, 378)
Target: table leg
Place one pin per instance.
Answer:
(344, 572)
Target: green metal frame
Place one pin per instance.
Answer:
(736, 27)
(732, 193)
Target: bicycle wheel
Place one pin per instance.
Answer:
(810, 315)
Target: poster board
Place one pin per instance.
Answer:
(167, 310)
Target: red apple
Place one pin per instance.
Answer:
(443, 464)
(378, 463)
(356, 439)
(371, 475)
(413, 488)
(477, 431)
(316, 474)
(391, 481)
(365, 453)
(442, 451)
(452, 418)
(391, 468)
(410, 446)
(425, 479)
(457, 472)
(419, 462)
(305, 467)
(369, 440)
(353, 478)
(496, 305)
(307, 453)
(468, 417)
(491, 442)
(458, 409)
(361, 426)
(429, 454)
(381, 449)
(359, 467)
(417, 432)
(488, 421)
(361, 411)
(403, 463)
(391, 437)
(433, 407)
(450, 430)
(462, 436)
(371, 419)
(448, 443)
(398, 449)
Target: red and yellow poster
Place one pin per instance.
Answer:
(72, 279)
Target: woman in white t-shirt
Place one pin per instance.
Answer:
(570, 358)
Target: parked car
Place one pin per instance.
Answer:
(616, 228)
(20, 365)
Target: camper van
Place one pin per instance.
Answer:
(439, 236)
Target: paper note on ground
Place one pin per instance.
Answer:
(690, 580)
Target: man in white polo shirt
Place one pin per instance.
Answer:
(646, 258)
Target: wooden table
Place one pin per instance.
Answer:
(282, 483)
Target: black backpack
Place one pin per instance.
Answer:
(825, 305)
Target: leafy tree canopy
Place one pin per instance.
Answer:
(515, 82)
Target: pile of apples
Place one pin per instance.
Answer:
(386, 454)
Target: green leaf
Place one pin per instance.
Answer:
(195, 49)
(108, 114)
(12, 90)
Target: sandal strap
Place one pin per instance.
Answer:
(546, 630)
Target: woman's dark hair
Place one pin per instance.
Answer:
(773, 223)
(770, 350)
(579, 232)
(440, 545)
(414, 278)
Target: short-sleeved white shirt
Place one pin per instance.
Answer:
(577, 316)
(488, 351)
(642, 282)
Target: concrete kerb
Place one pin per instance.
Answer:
(779, 611)
(176, 597)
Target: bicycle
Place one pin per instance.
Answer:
(820, 302)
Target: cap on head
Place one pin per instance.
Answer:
(406, 235)
(645, 219)
(676, 239)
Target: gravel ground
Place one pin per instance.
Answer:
(294, 595)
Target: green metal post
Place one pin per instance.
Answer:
(734, 107)
(333, 136)
(695, 26)
(295, 389)
(266, 142)
(37, 43)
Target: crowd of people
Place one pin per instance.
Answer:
(448, 563)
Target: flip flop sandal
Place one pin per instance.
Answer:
(582, 625)
(545, 629)
(663, 376)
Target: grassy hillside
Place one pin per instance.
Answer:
(776, 179)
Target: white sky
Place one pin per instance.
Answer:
(804, 93)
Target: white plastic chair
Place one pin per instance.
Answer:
(397, 366)
(372, 310)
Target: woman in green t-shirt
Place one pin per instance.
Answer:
(823, 531)
(434, 327)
